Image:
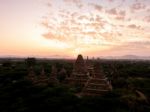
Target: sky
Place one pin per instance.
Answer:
(66, 28)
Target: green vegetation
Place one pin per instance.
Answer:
(130, 80)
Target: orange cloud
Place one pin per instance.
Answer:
(96, 7)
(78, 3)
(84, 29)
(147, 18)
(110, 0)
(133, 26)
(121, 15)
(82, 17)
(138, 6)
(117, 14)
(49, 4)
(54, 36)
(134, 45)
(112, 11)
(148, 10)
(45, 24)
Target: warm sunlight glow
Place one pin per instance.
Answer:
(54, 43)
(69, 27)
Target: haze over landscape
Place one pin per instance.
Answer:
(75, 55)
(65, 28)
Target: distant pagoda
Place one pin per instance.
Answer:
(42, 78)
(31, 75)
(53, 76)
(62, 75)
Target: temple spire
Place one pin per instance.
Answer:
(42, 78)
(79, 66)
(53, 76)
(31, 75)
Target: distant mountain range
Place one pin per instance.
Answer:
(135, 57)
(128, 57)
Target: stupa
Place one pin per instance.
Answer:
(79, 75)
(31, 75)
(53, 76)
(62, 75)
(42, 78)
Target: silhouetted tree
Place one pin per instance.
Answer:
(30, 61)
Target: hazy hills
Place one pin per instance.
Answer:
(129, 57)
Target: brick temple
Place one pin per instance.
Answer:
(79, 75)
(87, 77)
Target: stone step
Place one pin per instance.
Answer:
(100, 76)
(76, 81)
(91, 94)
(81, 77)
(95, 84)
(95, 91)
(85, 79)
(99, 86)
(99, 81)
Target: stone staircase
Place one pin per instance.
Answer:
(78, 79)
(96, 87)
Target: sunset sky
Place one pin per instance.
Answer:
(65, 28)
